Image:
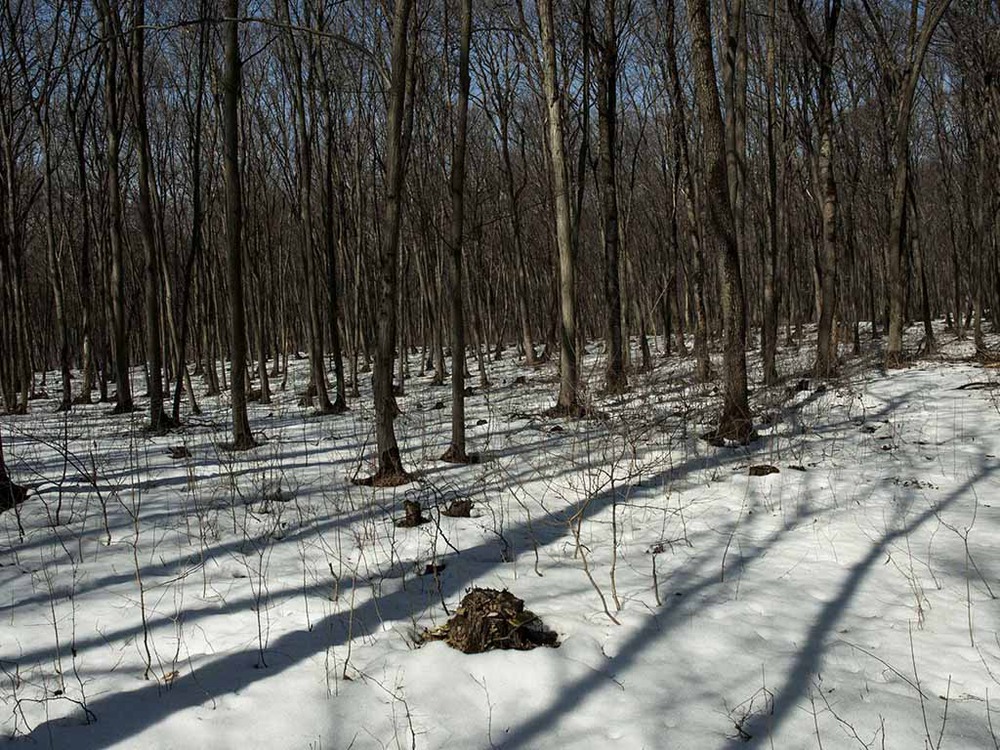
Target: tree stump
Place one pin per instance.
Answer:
(488, 619)
(413, 515)
(11, 495)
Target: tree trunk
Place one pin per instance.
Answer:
(456, 450)
(158, 419)
(769, 324)
(110, 30)
(607, 109)
(568, 402)
(242, 439)
(390, 465)
(906, 86)
(735, 424)
(682, 158)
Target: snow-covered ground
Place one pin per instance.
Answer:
(263, 600)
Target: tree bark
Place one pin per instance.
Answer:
(390, 465)
(769, 325)
(568, 402)
(822, 54)
(110, 30)
(905, 83)
(242, 438)
(735, 423)
(456, 450)
(607, 109)
(158, 419)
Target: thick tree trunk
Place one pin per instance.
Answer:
(822, 52)
(568, 402)
(735, 424)
(390, 465)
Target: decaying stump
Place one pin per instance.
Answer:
(413, 515)
(178, 452)
(11, 495)
(458, 509)
(488, 619)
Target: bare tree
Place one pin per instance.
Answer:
(111, 46)
(10, 494)
(158, 418)
(568, 402)
(902, 78)
(390, 465)
(821, 51)
(735, 423)
(242, 439)
(607, 109)
(456, 450)
(769, 322)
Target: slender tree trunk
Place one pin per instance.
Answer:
(456, 450)
(197, 219)
(158, 419)
(683, 160)
(521, 278)
(242, 438)
(110, 30)
(913, 226)
(906, 86)
(769, 327)
(607, 108)
(55, 268)
(331, 237)
(86, 273)
(825, 359)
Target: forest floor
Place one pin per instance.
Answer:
(260, 599)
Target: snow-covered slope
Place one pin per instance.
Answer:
(262, 600)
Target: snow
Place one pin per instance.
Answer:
(848, 604)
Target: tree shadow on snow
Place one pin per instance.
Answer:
(123, 715)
